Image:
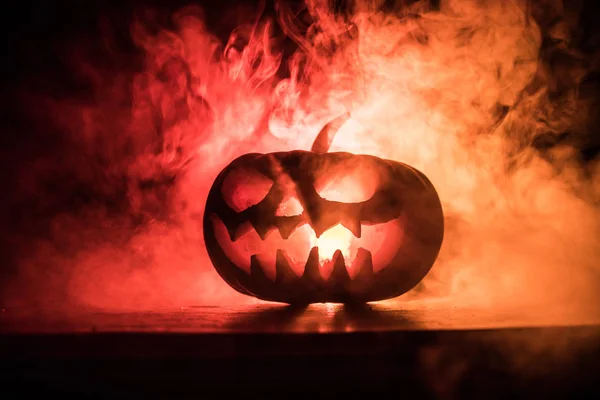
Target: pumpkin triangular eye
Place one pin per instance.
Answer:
(244, 188)
(289, 207)
(348, 183)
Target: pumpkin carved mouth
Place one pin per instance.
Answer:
(371, 243)
(378, 243)
(312, 226)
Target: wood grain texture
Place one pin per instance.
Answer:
(384, 350)
(263, 317)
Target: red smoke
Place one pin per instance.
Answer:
(461, 92)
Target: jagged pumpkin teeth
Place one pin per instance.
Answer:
(365, 228)
(377, 247)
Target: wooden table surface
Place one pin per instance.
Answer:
(419, 349)
(257, 317)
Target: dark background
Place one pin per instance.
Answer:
(37, 40)
(43, 44)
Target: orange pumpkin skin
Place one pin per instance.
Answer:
(402, 195)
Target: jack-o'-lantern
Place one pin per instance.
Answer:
(313, 226)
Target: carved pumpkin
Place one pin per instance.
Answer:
(270, 218)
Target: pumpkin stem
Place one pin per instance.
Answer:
(325, 137)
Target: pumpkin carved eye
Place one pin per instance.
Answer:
(289, 207)
(348, 184)
(372, 228)
(244, 188)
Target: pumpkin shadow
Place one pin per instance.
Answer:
(277, 318)
(320, 318)
(368, 317)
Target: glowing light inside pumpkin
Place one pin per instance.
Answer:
(336, 238)
(347, 188)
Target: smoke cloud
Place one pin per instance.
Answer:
(490, 99)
